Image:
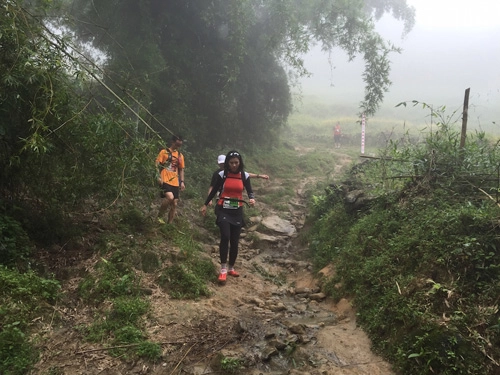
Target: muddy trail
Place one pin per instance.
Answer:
(273, 319)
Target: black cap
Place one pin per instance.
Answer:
(176, 138)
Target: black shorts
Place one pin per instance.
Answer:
(233, 217)
(166, 188)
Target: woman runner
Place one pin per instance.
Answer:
(230, 182)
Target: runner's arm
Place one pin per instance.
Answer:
(263, 176)
(214, 190)
(248, 188)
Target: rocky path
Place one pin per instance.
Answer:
(274, 319)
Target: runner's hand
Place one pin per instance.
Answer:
(204, 210)
(251, 202)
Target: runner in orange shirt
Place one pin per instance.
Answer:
(170, 165)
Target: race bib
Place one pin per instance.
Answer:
(231, 203)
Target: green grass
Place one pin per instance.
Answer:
(17, 353)
(230, 365)
(115, 279)
(122, 329)
(110, 279)
(15, 244)
(188, 280)
(23, 296)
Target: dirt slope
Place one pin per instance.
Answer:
(273, 319)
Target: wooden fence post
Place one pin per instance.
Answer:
(464, 119)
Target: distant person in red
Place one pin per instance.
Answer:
(337, 135)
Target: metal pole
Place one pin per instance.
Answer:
(363, 126)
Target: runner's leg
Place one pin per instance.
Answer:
(165, 204)
(234, 240)
(173, 207)
(225, 232)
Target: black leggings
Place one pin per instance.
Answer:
(229, 239)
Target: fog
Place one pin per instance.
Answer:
(454, 45)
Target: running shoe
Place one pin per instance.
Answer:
(222, 276)
(233, 273)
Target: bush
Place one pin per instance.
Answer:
(421, 260)
(17, 354)
(22, 296)
(134, 220)
(188, 280)
(112, 279)
(122, 327)
(14, 242)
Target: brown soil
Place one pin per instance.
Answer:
(272, 318)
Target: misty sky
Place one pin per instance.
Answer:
(454, 45)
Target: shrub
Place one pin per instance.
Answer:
(17, 354)
(22, 295)
(188, 280)
(111, 279)
(421, 260)
(14, 242)
(134, 220)
(122, 327)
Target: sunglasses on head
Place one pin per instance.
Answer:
(234, 154)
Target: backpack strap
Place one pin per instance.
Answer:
(169, 160)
